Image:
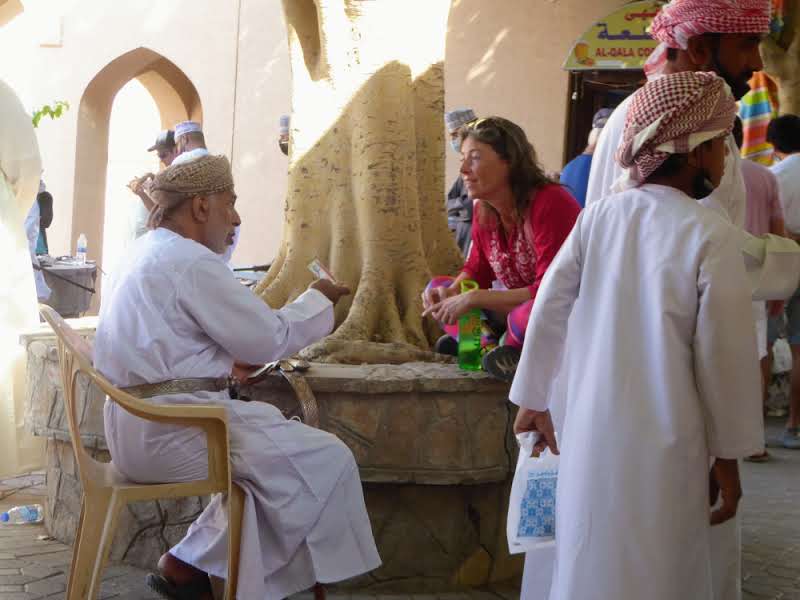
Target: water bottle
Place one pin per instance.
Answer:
(80, 254)
(469, 333)
(22, 515)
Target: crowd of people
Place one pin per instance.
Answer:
(622, 301)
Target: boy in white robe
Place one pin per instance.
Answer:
(175, 311)
(644, 312)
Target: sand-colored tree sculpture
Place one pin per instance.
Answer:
(782, 60)
(366, 186)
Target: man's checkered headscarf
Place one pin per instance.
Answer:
(673, 115)
(681, 20)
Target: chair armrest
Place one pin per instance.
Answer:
(213, 420)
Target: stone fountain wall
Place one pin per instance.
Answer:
(433, 444)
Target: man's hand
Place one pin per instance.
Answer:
(725, 477)
(450, 309)
(539, 422)
(242, 370)
(332, 291)
(137, 185)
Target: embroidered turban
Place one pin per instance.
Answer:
(673, 115)
(681, 20)
(204, 175)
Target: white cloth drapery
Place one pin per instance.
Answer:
(20, 170)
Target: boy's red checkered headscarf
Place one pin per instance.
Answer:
(673, 115)
(681, 20)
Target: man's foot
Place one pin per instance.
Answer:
(319, 592)
(199, 590)
(446, 344)
(761, 457)
(791, 438)
(501, 363)
(178, 580)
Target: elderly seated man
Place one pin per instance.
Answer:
(174, 311)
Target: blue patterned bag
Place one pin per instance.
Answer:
(532, 506)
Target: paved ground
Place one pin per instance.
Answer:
(771, 523)
(34, 567)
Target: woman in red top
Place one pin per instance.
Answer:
(519, 224)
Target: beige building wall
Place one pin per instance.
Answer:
(502, 58)
(62, 45)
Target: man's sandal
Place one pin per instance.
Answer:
(166, 589)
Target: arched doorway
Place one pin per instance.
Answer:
(176, 98)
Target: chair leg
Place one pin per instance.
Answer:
(235, 514)
(107, 539)
(75, 550)
(94, 509)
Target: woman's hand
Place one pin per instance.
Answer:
(435, 295)
(449, 310)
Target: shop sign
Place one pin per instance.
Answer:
(618, 42)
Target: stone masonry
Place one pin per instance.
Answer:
(433, 446)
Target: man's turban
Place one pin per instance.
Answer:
(202, 176)
(673, 115)
(681, 20)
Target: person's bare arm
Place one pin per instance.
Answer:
(449, 310)
(777, 226)
(139, 186)
(502, 301)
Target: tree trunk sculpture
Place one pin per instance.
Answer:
(366, 187)
(782, 60)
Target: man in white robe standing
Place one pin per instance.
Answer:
(722, 36)
(190, 144)
(20, 170)
(175, 311)
(660, 374)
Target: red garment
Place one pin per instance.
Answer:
(514, 259)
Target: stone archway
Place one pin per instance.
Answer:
(175, 96)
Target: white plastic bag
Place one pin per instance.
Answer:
(532, 507)
(782, 357)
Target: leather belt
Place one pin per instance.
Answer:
(185, 386)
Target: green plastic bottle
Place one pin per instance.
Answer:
(469, 333)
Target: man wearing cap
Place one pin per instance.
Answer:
(165, 147)
(189, 141)
(458, 203)
(191, 145)
(174, 317)
(722, 36)
(576, 173)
